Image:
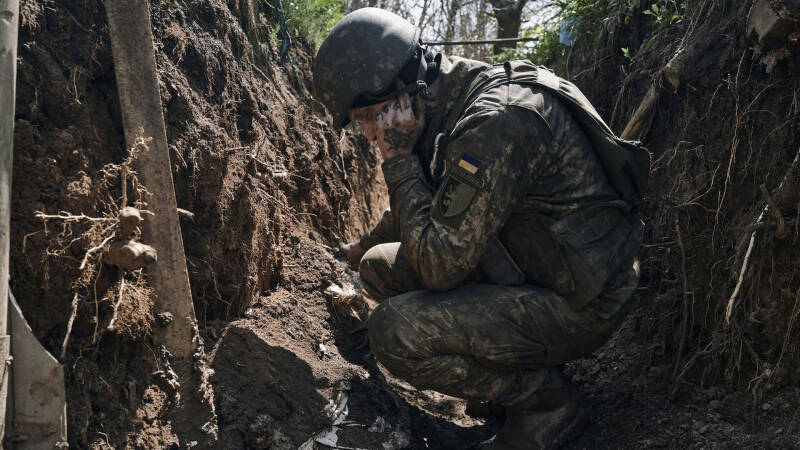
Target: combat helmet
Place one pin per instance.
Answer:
(360, 59)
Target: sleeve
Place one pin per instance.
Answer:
(384, 231)
(490, 163)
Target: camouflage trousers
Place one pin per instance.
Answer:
(482, 341)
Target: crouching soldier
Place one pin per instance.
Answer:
(510, 244)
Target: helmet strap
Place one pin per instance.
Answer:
(411, 89)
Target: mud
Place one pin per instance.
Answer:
(252, 159)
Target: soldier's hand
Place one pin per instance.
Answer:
(397, 127)
(352, 252)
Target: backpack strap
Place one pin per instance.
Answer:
(626, 163)
(547, 79)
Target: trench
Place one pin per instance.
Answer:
(272, 189)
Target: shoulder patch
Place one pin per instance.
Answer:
(462, 181)
(456, 196)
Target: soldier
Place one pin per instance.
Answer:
(507, 251)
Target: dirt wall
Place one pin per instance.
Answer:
(252, 157)
(731, 126)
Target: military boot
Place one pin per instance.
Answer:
(552, 416)
(485, 410)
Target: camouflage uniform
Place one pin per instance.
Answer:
(505, 253)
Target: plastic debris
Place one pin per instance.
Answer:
(568, 31)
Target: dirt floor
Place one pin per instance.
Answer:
(273, 189)
(273, 383)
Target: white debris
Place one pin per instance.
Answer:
(328, 437)
(379, 426)
(341, 293)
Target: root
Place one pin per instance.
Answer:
(780, 232)
(67, 217)
(91, 251)
(69, 325)
(786, 183)
(110, 326)
(97, 233)
(742, 271)
(685, 309)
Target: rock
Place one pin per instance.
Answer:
(129, 254)
(260, 432)
(770, 28)
(129, 220)
(227, 407)
(164, 318)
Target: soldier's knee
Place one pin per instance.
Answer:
(382, 329)
(391, 339)
(366, 267)
(375, 272)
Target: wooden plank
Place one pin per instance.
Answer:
(142, 116)
(193, 418)
(9, 24)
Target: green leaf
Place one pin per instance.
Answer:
(651, 41)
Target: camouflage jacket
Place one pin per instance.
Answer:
(517, 169)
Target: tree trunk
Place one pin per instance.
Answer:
(508, 14)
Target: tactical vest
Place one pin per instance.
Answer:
(576, 255)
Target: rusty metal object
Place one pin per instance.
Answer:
(140, 102)
(40, 397)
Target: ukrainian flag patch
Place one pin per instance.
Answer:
(469, 163)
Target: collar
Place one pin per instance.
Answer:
(455, 75)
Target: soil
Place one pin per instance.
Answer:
(272, 189)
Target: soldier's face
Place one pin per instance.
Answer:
(366, 117)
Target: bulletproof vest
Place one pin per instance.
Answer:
(574, 255)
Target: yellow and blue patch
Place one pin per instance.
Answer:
(469, 163)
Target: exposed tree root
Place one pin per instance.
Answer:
(111, 231)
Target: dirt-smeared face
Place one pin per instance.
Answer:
(366, 117)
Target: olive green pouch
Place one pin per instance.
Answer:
(574, 256)
(538, 254)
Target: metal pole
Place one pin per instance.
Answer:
(9, 22)
(483, 41)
